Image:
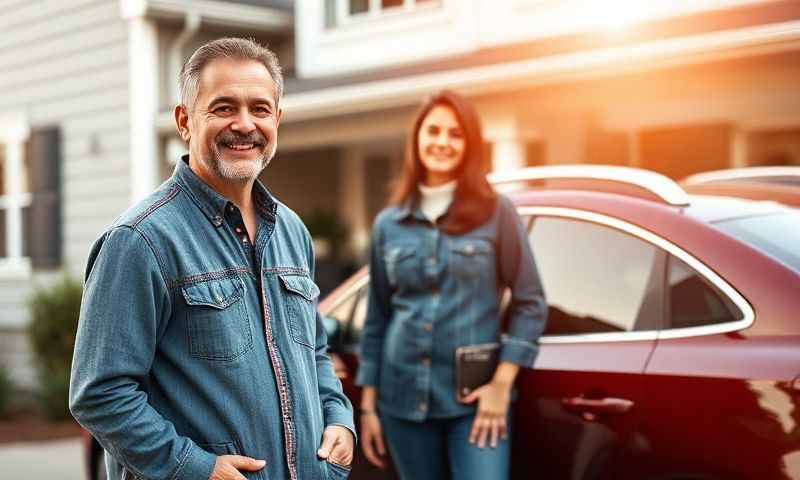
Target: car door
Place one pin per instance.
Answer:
(719, 387)
(349, 312)
(577, 415)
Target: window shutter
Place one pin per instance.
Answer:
(44, 220)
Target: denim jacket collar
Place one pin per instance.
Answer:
(410, 210)
(211, 202)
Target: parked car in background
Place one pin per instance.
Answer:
(672, 349)
(779, 184)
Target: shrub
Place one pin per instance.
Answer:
(54, 320)
(6, 391)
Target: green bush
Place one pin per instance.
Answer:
(54, 320)
(6, 391)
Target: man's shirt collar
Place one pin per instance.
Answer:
(212, 203)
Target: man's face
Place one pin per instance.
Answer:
(232, 128)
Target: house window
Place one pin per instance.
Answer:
(342, 12)
(15, 203)
(30, 207)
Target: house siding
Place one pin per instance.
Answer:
(66, 64)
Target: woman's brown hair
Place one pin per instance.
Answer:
(474, 199)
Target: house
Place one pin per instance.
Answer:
(87, 89)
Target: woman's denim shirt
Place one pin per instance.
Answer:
(193, 343)
(431, 292)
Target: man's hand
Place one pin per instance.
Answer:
(227, 467)
(337, 445)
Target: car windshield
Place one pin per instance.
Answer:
(777, 235)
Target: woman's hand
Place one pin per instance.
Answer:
(372, 438)
(371, 431)
(490, 420)
(493, 402)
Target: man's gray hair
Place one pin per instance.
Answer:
(234, 48)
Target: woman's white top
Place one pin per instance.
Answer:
(434, 201)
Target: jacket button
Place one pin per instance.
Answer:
(217, 220)
(428, 327)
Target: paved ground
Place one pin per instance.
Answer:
(50, 460)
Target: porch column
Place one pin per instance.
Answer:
(353, 200)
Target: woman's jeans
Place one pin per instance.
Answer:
(439, 448)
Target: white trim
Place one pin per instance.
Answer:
(15, 268)
(377, 21)
(746, 173)
(248, 17)
(694, 49)
(14, 132)
(733, 295)
(20, 200)
(661, 186)
(143, 103)
(14, 128)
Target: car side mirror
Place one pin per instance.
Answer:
(334, 331)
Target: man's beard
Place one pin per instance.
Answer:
(241, 169)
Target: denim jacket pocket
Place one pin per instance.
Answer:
(337, 471)
(300, 293)
(220, 448)
(219, 328)
(471, 257)
(401, 264)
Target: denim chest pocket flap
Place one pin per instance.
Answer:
(301, 292)
(218, 325)
(401, 264)
(471, 257)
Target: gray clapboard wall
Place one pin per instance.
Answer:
(65, 63)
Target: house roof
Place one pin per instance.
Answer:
(287, 5)
(255, 15)
(762, 29)
(753, 15)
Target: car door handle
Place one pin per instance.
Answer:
(598, 405)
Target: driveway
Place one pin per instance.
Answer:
(50, 460)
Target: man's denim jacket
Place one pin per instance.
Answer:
(191, 344)
(431, 292)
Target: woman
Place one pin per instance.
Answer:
(439, 257)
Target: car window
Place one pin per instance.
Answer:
(693, 301)
(597, 279)
(341, 313)
(775, 235)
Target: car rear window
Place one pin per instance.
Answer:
(777, 235)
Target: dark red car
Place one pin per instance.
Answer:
(672, 349)
(778, 184)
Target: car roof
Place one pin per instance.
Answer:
(704, 208)
(785, 175)
(755, 190)
(712, 208)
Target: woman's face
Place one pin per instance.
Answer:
(441, 145)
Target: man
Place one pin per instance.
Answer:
(200, 352)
